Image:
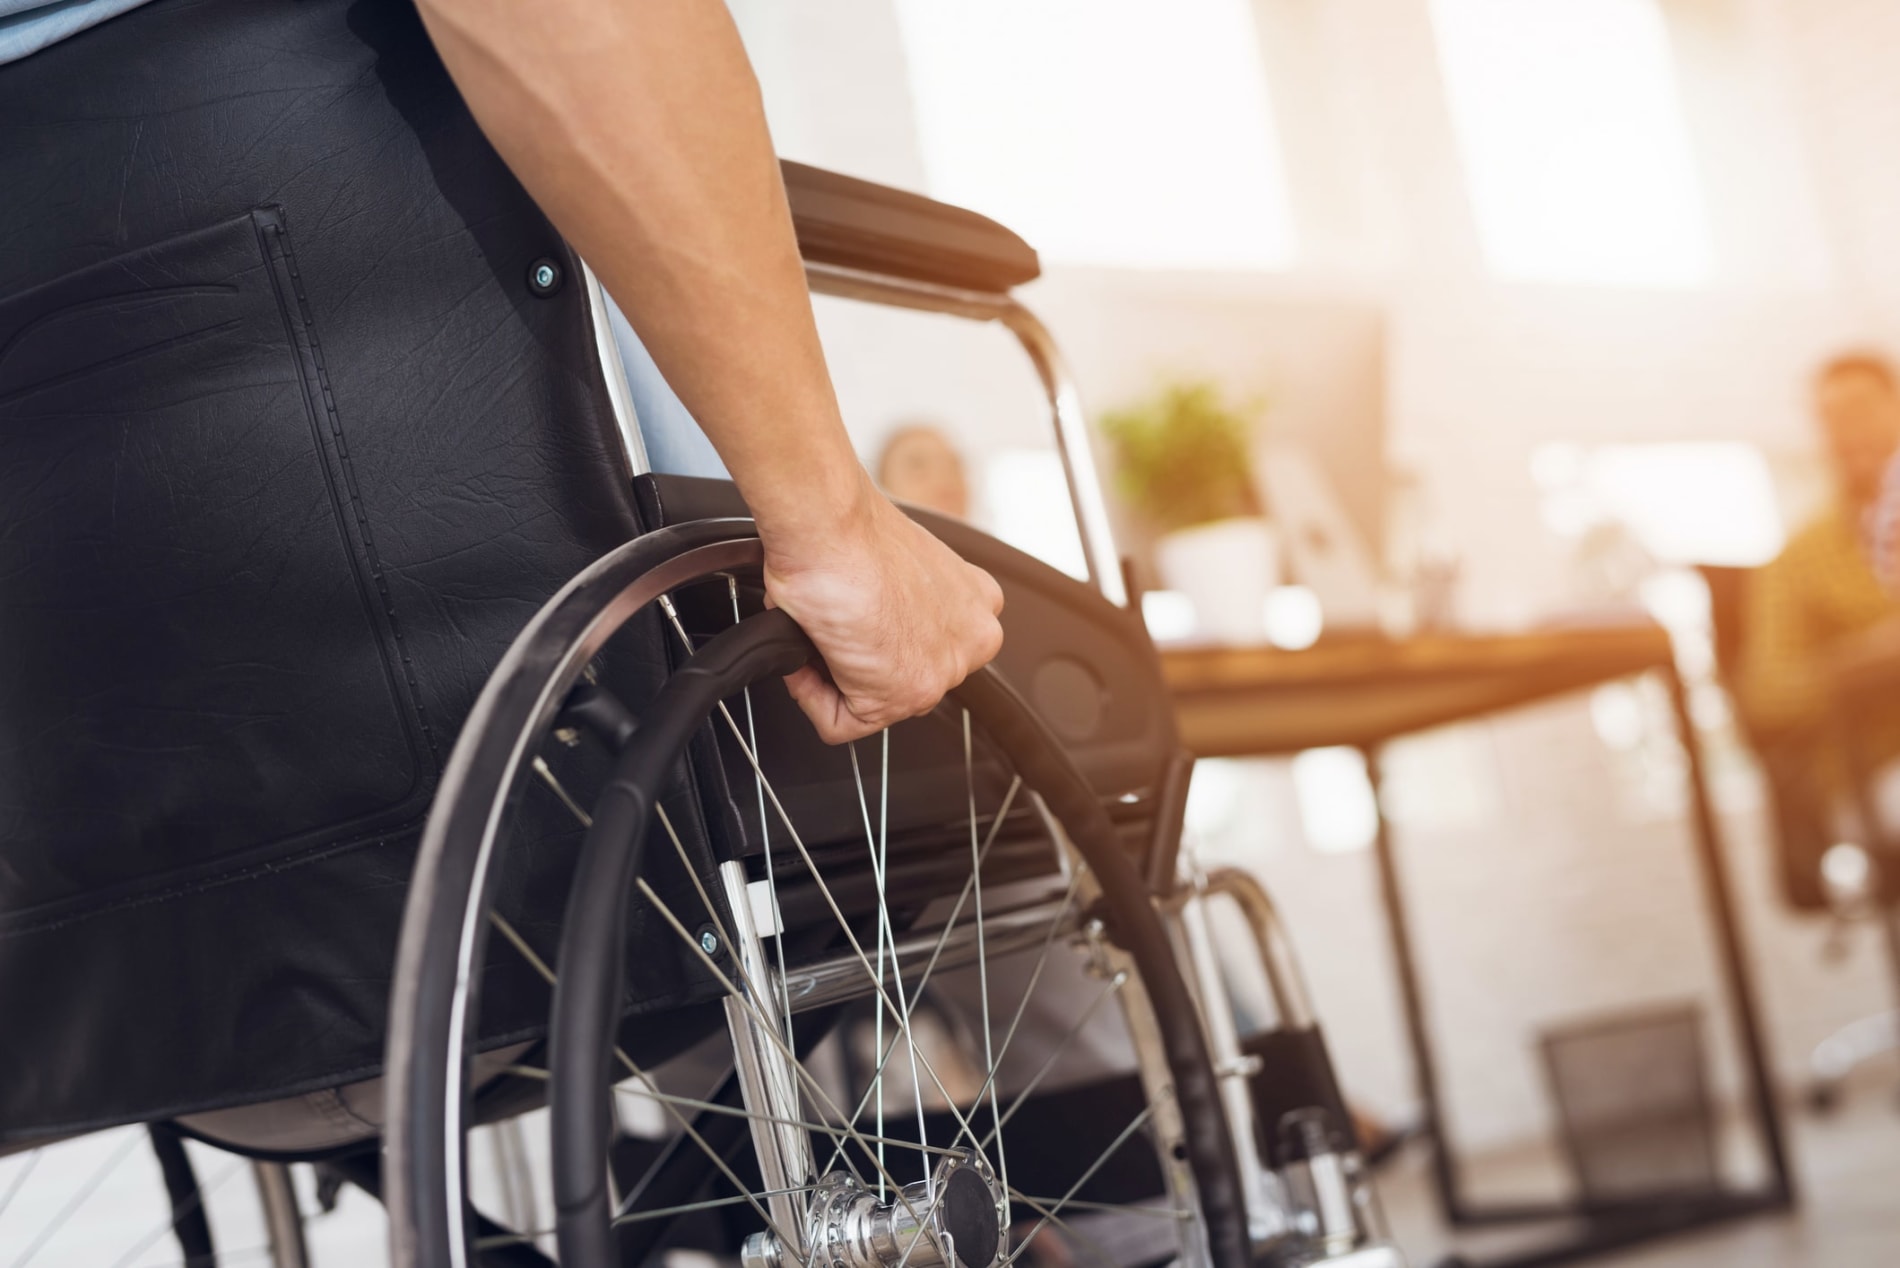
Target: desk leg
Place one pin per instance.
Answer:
(1735, 971)
(1424, 1062)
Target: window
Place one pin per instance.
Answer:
(1690, 502)
(1575, 149)
(1116, 132)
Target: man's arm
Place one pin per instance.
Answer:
(638, 128)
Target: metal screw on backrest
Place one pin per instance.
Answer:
(708, 942)
(544, 278)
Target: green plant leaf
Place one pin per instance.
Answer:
(1182, 456)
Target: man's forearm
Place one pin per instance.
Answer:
(637, 126)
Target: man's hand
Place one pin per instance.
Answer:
(898, 616)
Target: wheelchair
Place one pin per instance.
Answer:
(373, 849)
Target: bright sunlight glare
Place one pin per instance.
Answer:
(1115, 132)
(1575, 149)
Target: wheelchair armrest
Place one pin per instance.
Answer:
(841, 220)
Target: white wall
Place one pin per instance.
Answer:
(1563, 894)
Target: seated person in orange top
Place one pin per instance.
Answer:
(1821, 591)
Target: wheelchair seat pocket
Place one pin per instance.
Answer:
(197, 672)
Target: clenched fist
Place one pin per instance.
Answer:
(899, 617)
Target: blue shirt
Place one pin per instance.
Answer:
(27, 26)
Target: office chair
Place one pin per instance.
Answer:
(1817, 871)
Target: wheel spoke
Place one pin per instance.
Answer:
(78, 1199)
(812, 1085)
(982, 951)
(765, 834)
(886, 936)
(1113, 985)
(857, 948)
(1113, 1208)
(930, 965)
(191, 1204)
(1022, 1005)
(851, 938)
(1107, 1153)
(734, 1111)
(31, 1161)
(768, 1028)
(898, 991)
(636, 1217)
(521, 944)
(1090, 1244)
(548, 777)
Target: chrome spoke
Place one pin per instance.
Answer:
(837, 913)
(734, 1111)
(548, 777)
(662, 1212)
(1090, 1244)
(692, 1132)
(761, 995)
(765, 833)
(636, 1217)
(520, 944)
(1082, 1204)
(824, 890)
(982, 951)
(886, 936)
(876, 1089)
(86, 1190)
(1107, 1153)
(191, 1204)
(1022, 1005)
(812, 1085)
(1113, 985)
(768, 1028)
(19, 1179)
(936, 954)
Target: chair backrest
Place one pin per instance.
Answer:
(291, 444)
(1799, 812)
(1728, 604)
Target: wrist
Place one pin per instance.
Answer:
(819, 520)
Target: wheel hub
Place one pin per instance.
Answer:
(958, 1219)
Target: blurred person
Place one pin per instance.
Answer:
(1821, 592)
(919, 465)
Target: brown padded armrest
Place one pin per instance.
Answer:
(859, 224)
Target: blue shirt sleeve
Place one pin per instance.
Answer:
(674, 443)
(27, 26)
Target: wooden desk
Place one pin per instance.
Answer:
(1258, 701)
(1253, 701)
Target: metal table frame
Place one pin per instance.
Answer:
(1597, 1228)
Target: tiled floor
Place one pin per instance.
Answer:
(1847, 1168)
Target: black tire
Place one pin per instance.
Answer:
(444, 930)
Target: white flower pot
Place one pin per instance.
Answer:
(1226, 570)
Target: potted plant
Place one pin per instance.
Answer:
(1184, 461)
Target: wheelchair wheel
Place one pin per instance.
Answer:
(850, 1028)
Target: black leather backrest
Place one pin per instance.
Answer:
(289, 453)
